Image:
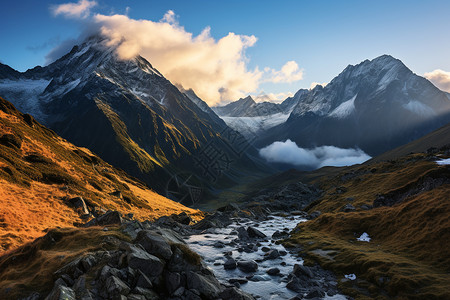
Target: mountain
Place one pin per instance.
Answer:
(251, 118)
(376, 105)
(131, 116)
(41, 172)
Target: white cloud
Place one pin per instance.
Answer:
(314, 84)
(79, 10)
(290, 72)
(439, 78)
(216, 69)
(289, 153)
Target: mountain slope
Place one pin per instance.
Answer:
(376, 106)
(40, 172)
(130, 115)
(251, 118)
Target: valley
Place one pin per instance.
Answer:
(129, 171)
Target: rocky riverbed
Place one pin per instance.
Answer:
(246, 253)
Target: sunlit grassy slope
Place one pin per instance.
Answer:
(40, 171)
(408, 256)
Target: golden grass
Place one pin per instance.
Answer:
(33, 193)
(410, 240)
(30, 268)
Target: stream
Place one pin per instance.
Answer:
(213, 245)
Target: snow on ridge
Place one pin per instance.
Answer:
(344, 109)
(24, 94)
(247, 125)
(419, 108)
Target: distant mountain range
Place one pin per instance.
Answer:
(133, 117)
(376, 105)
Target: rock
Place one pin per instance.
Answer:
(207, 286)
(233, 293)
(242, 233)
(272, 254)
(294, 284)
(231, 207)
(79, 204)
(154, 244)
(61, 292)
(265, 249)
(301, 270)
(315, 293)
(182, 218)
(348, 207)
(278, 235)
(216, 220)
(147, 263)
(218, 244)
(115, 286)
(238, 280)
(109, 218)
(247, 266)
(255, 233)
(173, 282)
(283, 253)
(273, 271)
(148, 294)
(143, 281)
(230, 264)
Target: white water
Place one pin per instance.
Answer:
(269, 287)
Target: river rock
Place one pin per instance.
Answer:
(273, 271)
(255, 233)
(247, 266)
(272, 254)
(147, 263)
(230, 264)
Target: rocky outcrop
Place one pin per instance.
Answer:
(157, 264)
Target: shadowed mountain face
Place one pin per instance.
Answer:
(376, 105)
(130, 115)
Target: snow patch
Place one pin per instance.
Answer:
(24, 94)
(364, 237)
(443, 162)
(252, 125)
(419, 108)
(344, 109)
(350, 276)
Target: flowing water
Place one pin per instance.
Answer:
(262, 284)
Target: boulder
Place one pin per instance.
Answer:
(301, 270)
(115, 286)
(247, 266)
(273, 271)
(233, 293)
(61, 292)
(255, 233)
(79, 204)
(272, 254)
(109, 218)
(230, 264)
(242, 233)
(207, 286)
(154, 244)
(147, 263)
(182, 218)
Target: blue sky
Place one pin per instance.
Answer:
(322, 37)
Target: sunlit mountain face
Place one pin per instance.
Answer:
(127, 112)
